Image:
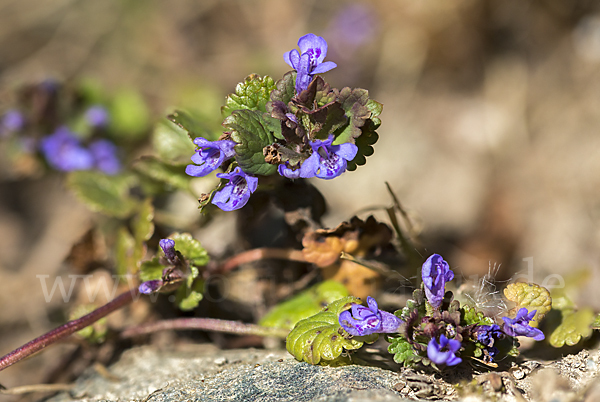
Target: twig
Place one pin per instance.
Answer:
(67, 329)
(207, 324)
(258, 254)
(27, 389)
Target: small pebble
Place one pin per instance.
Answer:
(518, 374)
(220, 361)
(591, 365)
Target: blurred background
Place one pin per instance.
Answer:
(489, 131)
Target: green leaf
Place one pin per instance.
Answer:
(596, 323)
(403, 351)
(574, 327)
(172, 143)
(173, 176)
(416, 303)
(365, 145)
(375, 108)
(190, 249)
(354, 103)
(96, 332)
(285, 88)
(124, 261)
(320, 338)
(143, 223)
(103, 193)
(253, 94)
(129, 115)
(530, 296)
(151, 270)
(143, 228)
(249, 129)
(470, 315)
(304, 304)
(192, 124)
(187, 298)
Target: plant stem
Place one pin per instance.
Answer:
(67, 329)
(261, 254)
(207, 324)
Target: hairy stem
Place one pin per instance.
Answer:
(67, 329)
(207, 324)
(258, 254)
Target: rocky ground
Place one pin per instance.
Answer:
(204, 373)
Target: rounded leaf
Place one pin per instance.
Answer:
(530, 296)
(320, 338)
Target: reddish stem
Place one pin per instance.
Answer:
(67, 329)
(207, 324)
(262, 254)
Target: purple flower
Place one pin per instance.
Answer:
(368, 320)
(486, 334)
(64, 152)
(444, 351)
(168, 247)
(330, 161)
(435, 273)
(305, 170)
(97, 116)
(209, 156)
(237, 192)
(11, 122)
(150, 286)
(309, 61)
(518, 326)
(104, 153)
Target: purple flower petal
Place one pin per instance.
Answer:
(97, 116)
(444, 351)
(389, 322)
(324, 67)
(309, 61)
(104, 153)
(332, 159)
(149, 287)
(168, 247)
(64, 152)
(306, 170)
(12, 121)
(209, 156)
(519, 326)
(435, 273)
(314, 45)
(237, 192)
(292, 58)
(361, 321)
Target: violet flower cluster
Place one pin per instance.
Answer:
(311, 157)
(437, 329)
(208, 157)
(64, 152)
(63, 149)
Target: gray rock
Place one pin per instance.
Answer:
(204, 373)
(208, 374)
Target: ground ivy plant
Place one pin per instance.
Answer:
(296, 127)
(432, 329)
